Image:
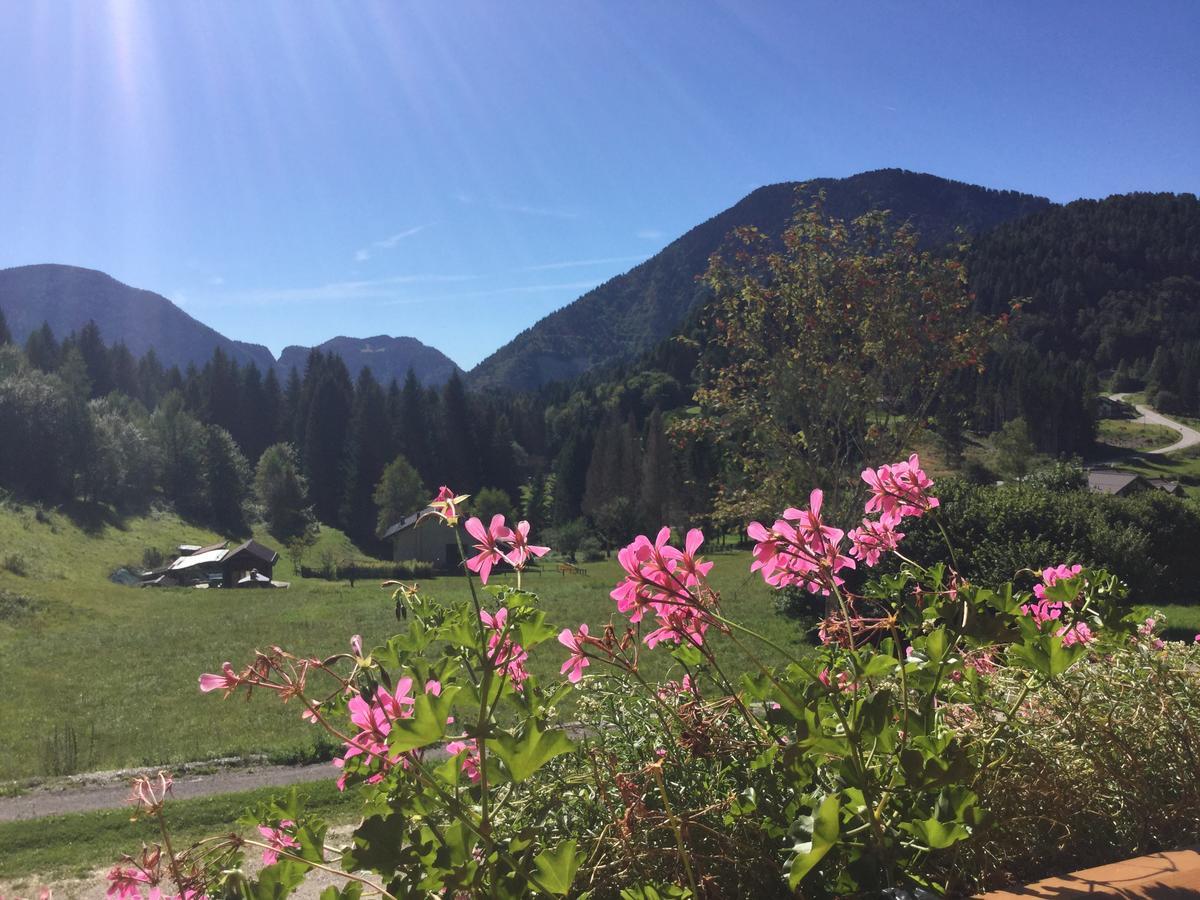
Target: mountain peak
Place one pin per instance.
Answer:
(630, 313)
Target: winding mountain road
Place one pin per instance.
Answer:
(1188, 436)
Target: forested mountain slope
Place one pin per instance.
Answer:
(630, 313)
(68, 297)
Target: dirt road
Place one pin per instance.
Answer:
(1188, 436)
(112, 791)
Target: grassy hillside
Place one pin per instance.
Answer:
(114, 668)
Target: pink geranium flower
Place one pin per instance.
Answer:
(521, 550)
(470, 762)
(898, 490)
(507, 656)
(226, 681)
(667, 582)
(872, 539)
(277, 839)
(1052, 575)
(578, 661)
(125, 882)
(488, 546)
(446, 504)
(1043, 610)
(800, 549)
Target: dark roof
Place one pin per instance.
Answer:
(407, 522)
(1110, 481)
(1165, 484)
(253, 549)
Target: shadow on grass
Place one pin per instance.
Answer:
(93, 518)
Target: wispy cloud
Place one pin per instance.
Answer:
(583, 263)
(493, 292)
(648, 234)
(365, 289)
(542, 211)
(387, 243)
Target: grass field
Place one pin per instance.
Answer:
(99, 676)
(73, 845)
(1182, 622)
(1126, 435)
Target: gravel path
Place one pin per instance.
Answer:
(110, 790)
(1188, 436)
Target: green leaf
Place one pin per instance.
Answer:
(532, 630)
(823, 829)
(352, 891)
(556, 868)
(426, 726)
(687, 654)
(527, 753)
(934, 834)
(277, 881)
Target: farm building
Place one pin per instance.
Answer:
(247, 565)
(1122, 484)
(425, 536)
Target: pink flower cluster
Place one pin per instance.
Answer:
(507, 656)
(667, 582)
(470, 762)
(492, 548)
(577, 661)
(277, 840)
(1044, 610)
(374, 719)
(898, 490)
(800, 549)
(1052, 575)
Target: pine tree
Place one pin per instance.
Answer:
(414, 429)
(325, 441)
(151, 379)
(272, 416)
(366, 457)
(95, 355)
(654, 493)
(5, 334)
(42, 349)
(459, 456)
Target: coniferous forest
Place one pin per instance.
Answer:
(1091, 292)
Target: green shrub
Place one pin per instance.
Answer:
(1119, 735)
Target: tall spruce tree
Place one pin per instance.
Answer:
(366, 457)
(42, 349)
(325, 440)
(459, 457)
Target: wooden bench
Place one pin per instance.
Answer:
(566, 568)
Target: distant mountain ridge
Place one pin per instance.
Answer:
(387, 357)
(68, 297)
(614, 322)
(630, 313)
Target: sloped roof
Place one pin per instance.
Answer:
(199, 558)
(254, 549)
(1165, 484)
(407, 522)
(1110, 481)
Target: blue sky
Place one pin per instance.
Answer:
(288, 171)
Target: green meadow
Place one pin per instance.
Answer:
(100, 676)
